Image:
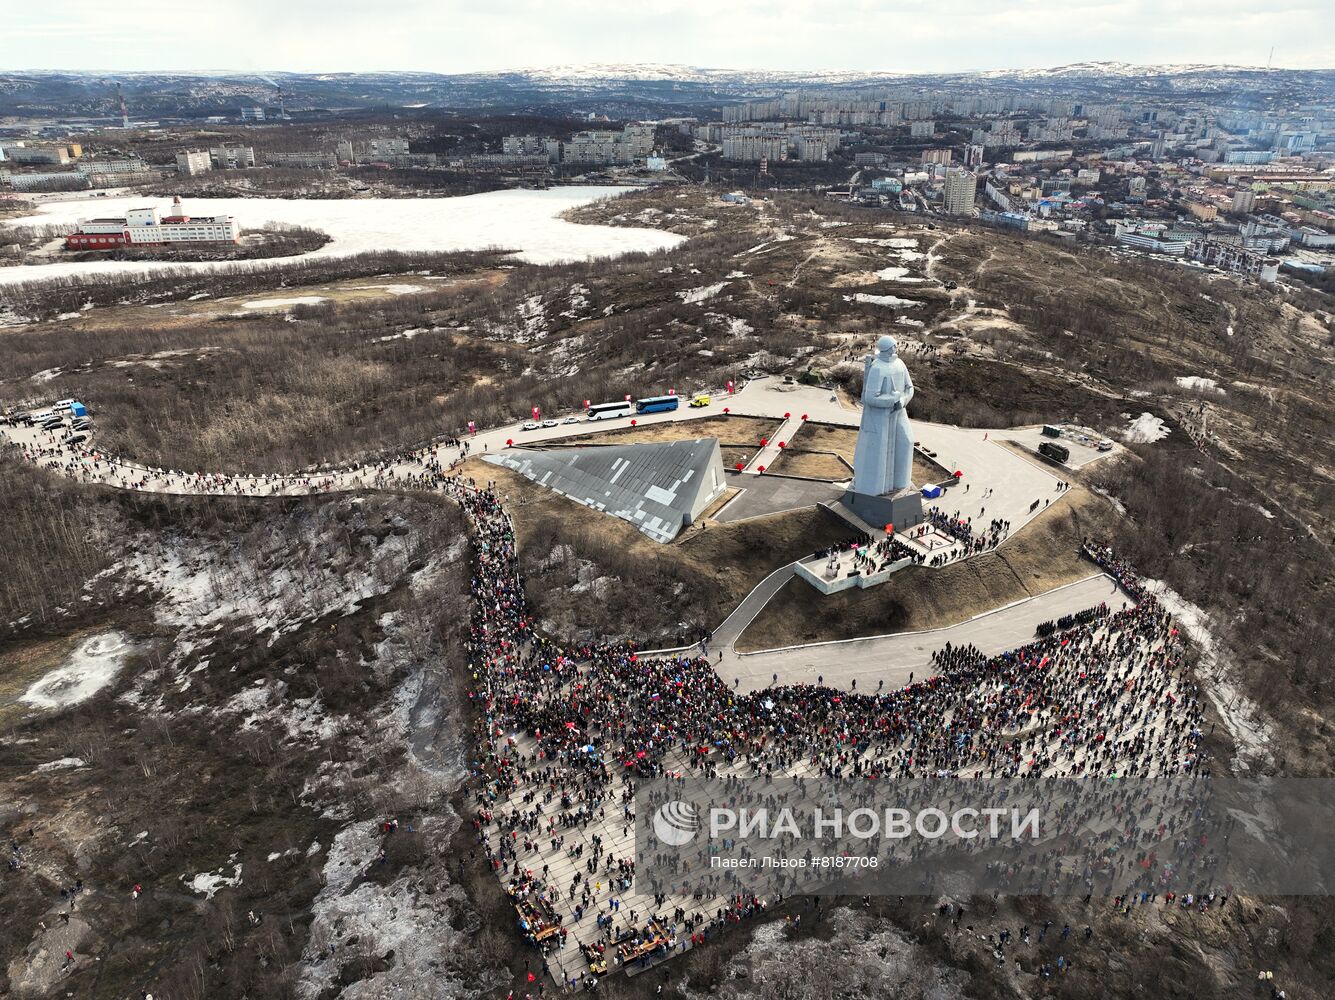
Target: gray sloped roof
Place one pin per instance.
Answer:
(659, 488)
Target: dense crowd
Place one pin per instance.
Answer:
(569, 730)
(962, 529)
(419, 469)
(864, 556)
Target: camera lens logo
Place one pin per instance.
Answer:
(676, 822)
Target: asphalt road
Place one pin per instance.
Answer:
(893, 658)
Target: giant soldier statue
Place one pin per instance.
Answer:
(883, 460)
(881, 493)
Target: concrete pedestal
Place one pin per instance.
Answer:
(902, 509)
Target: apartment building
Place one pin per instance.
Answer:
(189, 163)
(958, 194)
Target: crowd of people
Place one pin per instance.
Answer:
(1119, 569)
(420, 469)
(569, 730)
(961, 528)
(864, 556)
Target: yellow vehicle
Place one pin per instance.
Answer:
(699, 401)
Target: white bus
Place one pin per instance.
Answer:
(609, 411)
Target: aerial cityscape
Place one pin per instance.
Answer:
(856, 525)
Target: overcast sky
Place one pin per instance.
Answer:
(445, 36)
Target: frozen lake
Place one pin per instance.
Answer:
(524, 221)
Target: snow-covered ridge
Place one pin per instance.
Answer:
(260, 83)
(696, 74)
(1124, 69)
(703, 74)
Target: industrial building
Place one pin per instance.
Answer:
(144, 227)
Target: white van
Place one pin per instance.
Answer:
(62, 405)
(42, 416)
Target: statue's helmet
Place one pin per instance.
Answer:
(886, 345)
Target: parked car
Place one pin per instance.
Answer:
(73, 439)
(570, 420)
(81, 424)
(530, 425)
(549, 423)
(52, 423)
(1105, 445)
(700, 401)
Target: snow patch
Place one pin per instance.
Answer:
(399, 289)
(702, 294)
(63, 764)
(1145, 429)
(897, 243)
(208, 883)
(767, 245)
(533, 318)
(408, 334)
(894, 274)
(90, 667)
(1197, 384)
(892, 301)
(295, 300)
(579, 301)
(1241, 716)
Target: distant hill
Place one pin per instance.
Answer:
(646, 88)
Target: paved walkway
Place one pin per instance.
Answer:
(769, 454)
(768, 494)
(892, 658)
